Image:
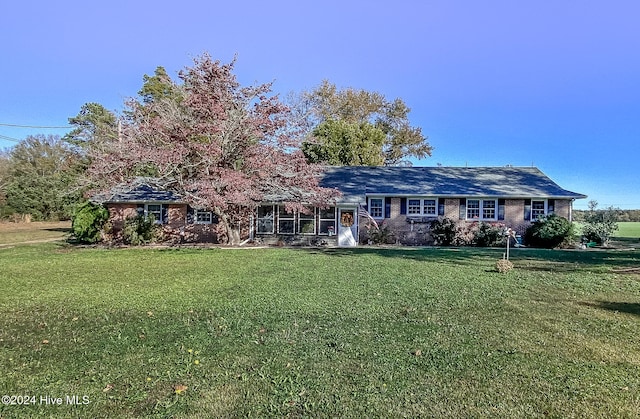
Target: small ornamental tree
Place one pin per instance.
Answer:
(599, 225)
(217, 144)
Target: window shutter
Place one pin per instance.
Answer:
(403, 206)
(190, 215)
(140, 209)
(387, 207)
(501, 203)
(551, 206)
(527, 209)
(441, 206)
(463, 209)
(164, 213)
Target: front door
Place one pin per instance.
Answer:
(347, 227)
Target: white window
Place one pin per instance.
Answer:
(488, 209)
(203, 217)
(307, 222)
(482, 209)
(417, 206)
(376, 207)
(265, 219)
(286, 220)
(473, 209)
(414, 207)
(155, 211)
(429, 207)
(327, 220)
(538, 209)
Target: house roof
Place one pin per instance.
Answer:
(139, 191)
(356, 182)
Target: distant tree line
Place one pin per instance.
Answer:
(39, 177)
(622, 215)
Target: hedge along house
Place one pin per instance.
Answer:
(403, 199)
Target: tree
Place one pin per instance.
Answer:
(219, 145)
(158, 87)
(358, 107)
(5, 167)
(42, 172)
(342, 143)
(93, 124)
(600, 224)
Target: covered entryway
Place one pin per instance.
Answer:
(347, 227)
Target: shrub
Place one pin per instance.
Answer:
(444, 231)
(600, 224)
(489, 235)
(139, 230)
(549, 232)
(382, 235)
(88, 222)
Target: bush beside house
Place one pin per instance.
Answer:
(446, 232)
(89, 221)
(549, 232)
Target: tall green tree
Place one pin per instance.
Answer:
(93, 125)
(158, 87)
(341, 143)
(363, 110)
(4, 180)
(42, 175)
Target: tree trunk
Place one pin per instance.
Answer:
(232, 233)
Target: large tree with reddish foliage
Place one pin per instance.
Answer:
(221, 146)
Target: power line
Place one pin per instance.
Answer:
(4, 137)
(34, 126)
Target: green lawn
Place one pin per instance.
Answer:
(628, 230)
(355, 333)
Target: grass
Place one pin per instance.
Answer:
(12, 233)
(627, 235)
(628, 230)
(364, 332)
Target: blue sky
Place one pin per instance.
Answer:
(555, 84)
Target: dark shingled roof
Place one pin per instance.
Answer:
(356, 182)
(139, 191)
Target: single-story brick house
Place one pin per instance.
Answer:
(405, 199)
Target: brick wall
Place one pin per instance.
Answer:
(120, 212)
(176, 228)
(514, 215)
(177, 215)
(563, 208)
